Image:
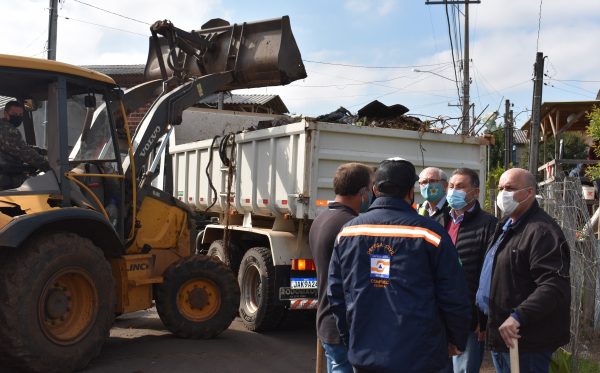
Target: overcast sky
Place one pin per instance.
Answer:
(374, 33)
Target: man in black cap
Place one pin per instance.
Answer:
(395, 283)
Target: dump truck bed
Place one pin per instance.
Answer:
(289, 169)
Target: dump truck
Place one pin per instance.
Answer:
(263, 189)
(91, 238)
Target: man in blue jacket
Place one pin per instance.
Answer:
(395, 283)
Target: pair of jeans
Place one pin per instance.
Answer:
(529, 362)
(337, 358)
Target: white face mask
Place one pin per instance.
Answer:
(506, 202)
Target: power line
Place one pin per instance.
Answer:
(576, 80)
(99, 25)
(565, 90)
(571, 85)
(537, 44)
(375, 67)
(113, 13)
(452, 50)
(32, 41)
(348, 84)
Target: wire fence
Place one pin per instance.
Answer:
(563, 200)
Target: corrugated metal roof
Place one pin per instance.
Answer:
(111, 70)
(272, 101)
(236, 99)
(3, 101)
(519, 136)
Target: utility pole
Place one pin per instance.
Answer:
(466, 79)
(536, 107)
(466, 105)
(507, 132)
(52, 25)
(511, 136)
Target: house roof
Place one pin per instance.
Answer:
(559, 117)
(273, 102)
(3, 101)
(124, 75)
(520, 136)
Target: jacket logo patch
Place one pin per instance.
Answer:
(380, 266)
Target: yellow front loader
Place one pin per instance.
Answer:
(91, 238)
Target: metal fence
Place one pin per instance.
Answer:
(563, 200)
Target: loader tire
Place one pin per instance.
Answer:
(217, 249)
(258, 304)
(58, 304)
(198, 298)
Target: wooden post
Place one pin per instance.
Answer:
(320, 364)
(514, 357)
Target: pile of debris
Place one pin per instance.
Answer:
(377, 114)
(374, 114)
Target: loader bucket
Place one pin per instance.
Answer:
(259, 54)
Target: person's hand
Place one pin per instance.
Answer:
(509, 330)
(453, 350)
(480, 334)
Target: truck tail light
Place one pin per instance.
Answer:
(303, 265)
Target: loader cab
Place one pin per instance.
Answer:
(76, 116)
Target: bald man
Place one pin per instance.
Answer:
(524, 284)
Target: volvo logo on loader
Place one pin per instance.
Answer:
(138, 267)
(150, 141)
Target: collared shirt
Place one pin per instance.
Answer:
(431, 210)
(482, 299)
(458, 219)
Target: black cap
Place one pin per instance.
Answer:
(395, 176)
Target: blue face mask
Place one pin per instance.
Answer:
(457, 199)
(364, 205)
(432, 192)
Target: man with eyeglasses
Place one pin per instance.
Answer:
(433, 184)
(524, 287)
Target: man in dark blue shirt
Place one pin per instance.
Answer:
(396, 285)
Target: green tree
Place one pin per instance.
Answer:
(497, 149)
(593, 129)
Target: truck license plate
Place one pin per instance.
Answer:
(303, 283)
(289, 293)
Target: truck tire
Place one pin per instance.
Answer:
(217, 249)
(198, 298)
(58, 304)
(258, 304)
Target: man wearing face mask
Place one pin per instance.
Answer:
(352, 186)
(524, 286)
(15, 154)
(471, 230)
(433, 184)
(396, 286)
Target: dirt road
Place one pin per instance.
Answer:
(139, 343)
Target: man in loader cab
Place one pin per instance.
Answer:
(16, 156)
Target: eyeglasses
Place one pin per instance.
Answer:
(429, 181)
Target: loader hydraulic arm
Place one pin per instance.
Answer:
(219, 57)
